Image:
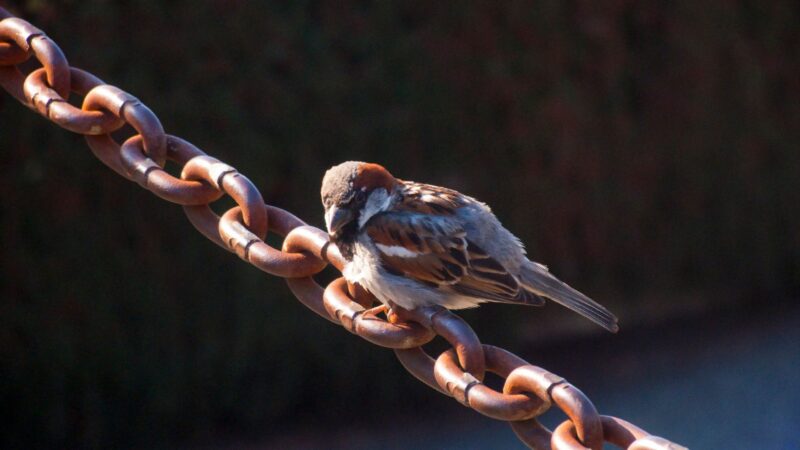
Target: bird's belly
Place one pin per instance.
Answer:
(366, 270)
(385, 287)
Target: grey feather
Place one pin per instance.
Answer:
(540, 281)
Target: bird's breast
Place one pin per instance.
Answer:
(366, 269)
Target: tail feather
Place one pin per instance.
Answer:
(537, 279)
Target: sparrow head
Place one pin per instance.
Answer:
(352, 192)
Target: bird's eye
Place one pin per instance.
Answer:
(360, 196)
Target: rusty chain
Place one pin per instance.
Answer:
(528, 390)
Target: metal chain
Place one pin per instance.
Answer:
(528, 391)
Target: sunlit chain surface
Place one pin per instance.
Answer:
(528, 391)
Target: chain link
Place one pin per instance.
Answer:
(528, 391)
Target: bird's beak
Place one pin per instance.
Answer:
(336, 218)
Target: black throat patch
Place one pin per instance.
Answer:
(346, 239)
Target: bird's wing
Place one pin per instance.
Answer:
(423, 198)
(535, 277)
(434, 250)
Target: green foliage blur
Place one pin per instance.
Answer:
(647, 151)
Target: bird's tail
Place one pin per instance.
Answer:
(537, 279)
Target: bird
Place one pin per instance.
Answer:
(416, 245)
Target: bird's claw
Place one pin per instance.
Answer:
(372, 313)
(394, 314)
(392, 317)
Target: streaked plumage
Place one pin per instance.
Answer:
(415, 245)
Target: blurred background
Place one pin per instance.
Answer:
(646, 151)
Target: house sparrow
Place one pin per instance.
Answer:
(415, 245)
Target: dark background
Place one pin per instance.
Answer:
(646, 151)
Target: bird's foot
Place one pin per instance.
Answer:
(397, 314)
(372, 313)
(391, 316)
(394, 314)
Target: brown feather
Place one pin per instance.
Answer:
(443, 255)
(372, 176)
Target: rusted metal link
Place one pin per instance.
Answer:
(297, 260)
(482, 398)
(11, 54)
(206, 222)
(106, 149)
(616, 431)
(30, 39)
(565, 437)
(581, 412)
(420, 364)
(234, 233)
(444, 376)
(532, 433)
(453, 379)
(655, 443)
(152, 177)
(282, 222)
(234, 230)
(309, 293)
(128, 108)
(303, 238)
(306, 249)
(370, 327)
(298, 263)
(51, 105)
(551, 388)
(460, 335)
(532, 379)
(455, 331)
(624, 434)
(528, 391)
(314, 241)
(360, 295)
